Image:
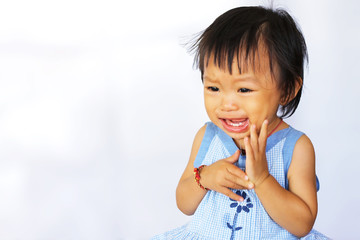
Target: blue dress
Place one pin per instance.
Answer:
(218, 217)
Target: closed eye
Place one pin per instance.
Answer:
(245, 90)
(213, 89)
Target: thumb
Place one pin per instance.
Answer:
(233, 158)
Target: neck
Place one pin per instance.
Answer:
(276, 127)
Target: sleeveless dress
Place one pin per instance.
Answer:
(218, 217)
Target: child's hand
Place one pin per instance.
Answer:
(223, 174)
(256, 165)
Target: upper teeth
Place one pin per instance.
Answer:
(236, 124)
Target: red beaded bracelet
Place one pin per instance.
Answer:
(197, 176)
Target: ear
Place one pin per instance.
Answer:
(298, 85)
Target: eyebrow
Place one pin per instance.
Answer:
(237, 79)
(210, 79)
(245, 78)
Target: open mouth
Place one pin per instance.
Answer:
(235, 125)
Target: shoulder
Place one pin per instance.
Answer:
(300, 147)
(205, 133)
(304, 143)
(302, 167)
(202, 142)
(199, 137)
(304, 154)
(291, 136)
(298, 154)
(194, 151)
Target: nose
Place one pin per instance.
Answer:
(228, 104)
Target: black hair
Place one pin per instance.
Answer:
(238, 33)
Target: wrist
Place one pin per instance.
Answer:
(262, 181)
(197, 176)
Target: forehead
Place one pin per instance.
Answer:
(255, 64)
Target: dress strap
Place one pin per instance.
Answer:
(205, 143)
(210, 132)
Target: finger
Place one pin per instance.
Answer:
(233, 185)
(254, 138)
(233, 158)
(249, 150)
(263, 135)
(237, 172)
(231, 194)
(234, 182)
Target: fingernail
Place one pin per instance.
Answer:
(246, 177)
(251, 185)
(240, 199)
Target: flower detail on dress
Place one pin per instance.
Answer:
(244, 205)
(240, 206)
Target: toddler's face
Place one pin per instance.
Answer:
(236, 101)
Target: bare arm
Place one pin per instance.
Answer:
(188, 193)
(296, 209)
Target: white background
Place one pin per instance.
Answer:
(99, 105)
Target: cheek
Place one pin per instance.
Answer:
(209, 105)
(258, 111)
(210, 102)
(255, 108)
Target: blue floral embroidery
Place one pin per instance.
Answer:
(240, 206)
